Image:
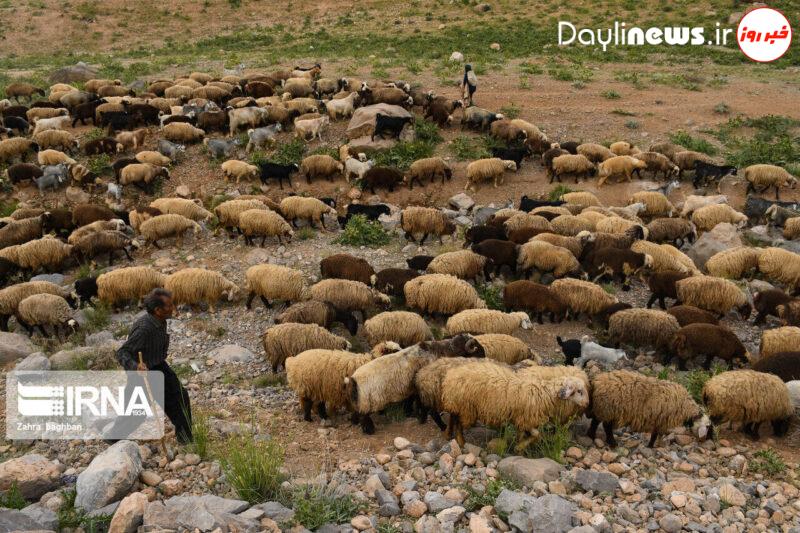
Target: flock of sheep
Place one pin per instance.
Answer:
(480, 371)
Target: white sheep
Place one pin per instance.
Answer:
(591, 351)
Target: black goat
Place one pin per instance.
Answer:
(391, 125)
(372, 212)
(703, 171)
(18, 124)
(529, 204)
(571, 349)
(514, 154)
(276, 171)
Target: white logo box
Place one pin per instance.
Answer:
(85, 405)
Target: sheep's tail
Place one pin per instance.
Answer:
(560, 341)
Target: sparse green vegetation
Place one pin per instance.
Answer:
(466, 148)
(693, 143)
(610, 95)
(70, 517)
(201, 435)
(7, 207)
(360, 231)
(270, 380)
(13, 498)
(510, 111)
(253, 467)
(492, 295)
(774, 140)
(289, 153)
(694, 381)
(768, 462)
(476, 500)
(632, 124)
(722, 109)
(554, 439)
(315, 506)
(558, 191)
(623, 112)
(305, 233)
(99, 164)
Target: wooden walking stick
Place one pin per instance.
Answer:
(152, 401)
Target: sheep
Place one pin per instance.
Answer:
(45, 253)
(623, 165)
(10, 297)
(508, 132)
(55, 138)
(779, 215)
(655, 163)
(573, 244)
(264, 223)
(317, 376)
(687, 159)
(705, 218)
(596, 153)
(346, 266)
(497, 395)
(545, 257)
(288, 340)
(462, 264)
(486, 170)
(709, 340)
(785, 365)
(576, 165)
(688, 314)
(789, 313)
(391, 281)
(734, 263)
(348, 295)
(662, 285)
(441, 294)
(570, 225)
(45, 309)
(141, 213)
(534, 298)
(479, 118)
(749, 397)
(428, 168)
(18, 147)
(182, 132)
(83, 214)
(643, 404)
(780, 266)
(766, 302)
(354, 167)
(656, 204)
(320, 166)
(616, 262)
(142, 175)
(153, 158)
(581, 296)
(181, 206)
(478, 321)
(35, 114)
(664, 257)
(384, 177)
(623, 148)
(419, 262)
(315, 312)
(385, 380)
(668, 149)
(428, 384)
(101, 242)
(791, 228)
(167, 226)
(311, 209)
(403, 327)
(642, 328)
(18, 89)
(275, 282)
(193, 286)
(480, 233)
(46, 124)
(762, 177)
(498, 253)
(425, 220)
(782, 339)
(591, 351)
(20, 231)
(693, 203)
(520, 228)
(239, 169)
(504, 348)
(716, 295)
(95, 227)
(228, 212)
(704, 170)
(342, 107)
(671, 230)
(308, 129)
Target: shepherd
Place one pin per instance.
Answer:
(468, 85)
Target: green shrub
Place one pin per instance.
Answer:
(305, 233)
(93, 134)
(201, 435)
(314, 507)
(13, 498)
(492, 295)
(510, 111)
(693, 143)
(466, 148)
(253, 467)
(610, 95)
(402, 154)
(767, 462)
(99, 164)
(554, 439)
(632, 124)
(476, 500)
(7, 207)
(427, 131)
(558, 191)
(696, 379)
(722, 108)
(70, 517)
(360, 231)
(289, 153)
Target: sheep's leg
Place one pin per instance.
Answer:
(539, 317)
(408, 407)
(752, 430)
(422, 240)
(367, 426)
(265, 302)
(155, 243)
(322, 411)
(459, 431)
(780, 427)
(681, 363)
(249, 301)
(707, 362)
(608, 427)
(653, 437)
(592, 433)
(422, 414)
(305, 405)
(264, 239)
(111, 257)
(354, 418)
(437, 419)
(4, 322)
(777, 188)
(760, 318)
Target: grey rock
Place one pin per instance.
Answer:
(14, 520)
(520, 520)
(463, 220)
(509, 501)
(597, 481)
(58, 279)
(43, 516)
(78, 72)
(231, 353)
(426, 458)
(204, 513)
(109, 476)
(436, 502)
(35, 361)
(106, 510)
(215, 504)
(409, 496)
(528, 471)
(582, 529)
(100, 338)
(481, 215)
(427, 524)
(552, 514)
(391, 221)
(14, 346)
(384, 496)
(65, 359)
(670, 523)
(722, 237)
(33, 475)
(461, 201)
(389, 509)
(275, 511)
(624, 511)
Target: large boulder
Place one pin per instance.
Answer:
(14, 346)
(67, 359)
(35, 361)
(129, 514)
(203, 513)
(722, 237)
(14, 520)
(528, 471)
(109, 476)
(79, 72)
(32, 474)
(231, 353)
(363, 121)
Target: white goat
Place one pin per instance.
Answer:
(591, 351)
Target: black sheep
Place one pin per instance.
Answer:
(662, 285)
(45, 104)
(514, 154)
(121, 163)
(15, 111)
(703, 171)
(391, 125)
(785, 365)
(419, 262)
(391, 281)
(604, 315)
(383, 177)
(617, 262)
(116, 120)
(104, 145)
(86, 111)
(765, 302)
(143, 114)
(86, 289)
(756, 208)
(7, 270)
(529, 204)
(570, 146)
(18, 124)
(23, 171)
(480, 233)
(372, 212)
(213, 120)
(58, 220)
(571, 349)
(275, 171)
(498, 253)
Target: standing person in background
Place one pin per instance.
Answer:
(468, 85)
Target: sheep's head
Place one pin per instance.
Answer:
(382, 300)
(574, 390)
(510, 165)
(701, 426)
(231, 292)
(524, 319)
(744, 310)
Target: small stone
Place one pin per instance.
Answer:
(726, 452)
(678, 500)
(401, 444)
(415, 509)
(478, 524)
(192, 459)
(470, 459)
(597, 481)
(731, 495)
(183, 191)
(361, 522)
(686, 467)
(150, 478)
(680, 484)
(670, 523)
(383, 458)
(617, 468)
(171, 487)
(452, 514)
(372, 485)
(482, 8)
(457, 57)
(527, 471)
(436, 502)
(495, 46)
(454, 495)
(573, 452)
(129, 514)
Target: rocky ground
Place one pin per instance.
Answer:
(406, 476)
